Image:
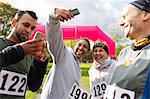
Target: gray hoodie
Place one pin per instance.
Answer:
(65, 70)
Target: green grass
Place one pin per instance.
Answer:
(84, 81)
(30, 95)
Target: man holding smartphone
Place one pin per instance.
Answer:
(19, 65)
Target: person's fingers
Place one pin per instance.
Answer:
(62, 14)
(38, 54)
(69, 14)
(33, 46)
(62, 17)
(44, 58)
(38, 43)
(45, 44)
(41, 57)
(34, 50)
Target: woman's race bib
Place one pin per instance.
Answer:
(77, 92)
(98, 89)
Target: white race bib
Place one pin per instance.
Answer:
(77, 92)
(12, 83)
(98, 89)
(115, 92)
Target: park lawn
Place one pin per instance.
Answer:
(84, 82)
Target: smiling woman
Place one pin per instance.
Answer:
(66, 66)
(102, 69)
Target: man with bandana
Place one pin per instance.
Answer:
(134, 60)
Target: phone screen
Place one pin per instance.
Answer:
(38, 35)
(75, 11)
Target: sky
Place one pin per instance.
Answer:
(103, 13)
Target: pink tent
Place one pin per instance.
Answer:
(77, 32)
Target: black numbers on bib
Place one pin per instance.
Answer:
(4, 82)
(14, 81)
(103, 86)
(84, 96)
(99, 89)
(78, 94)
(125, 96)
(72, 91)
(24, 82)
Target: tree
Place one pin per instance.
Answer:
(6, 14)
(118, 36)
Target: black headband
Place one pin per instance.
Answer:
(142, 4)
(102, 45)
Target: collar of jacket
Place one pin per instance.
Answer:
(141, 43)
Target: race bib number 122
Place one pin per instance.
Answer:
(12, 83)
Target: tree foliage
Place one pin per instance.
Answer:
(118, 36)
(6, 14)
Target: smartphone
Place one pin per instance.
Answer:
(75, 12)
(38, 35)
